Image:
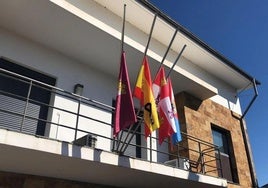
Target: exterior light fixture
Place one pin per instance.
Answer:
(78, 89)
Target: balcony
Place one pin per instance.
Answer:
(74, 133)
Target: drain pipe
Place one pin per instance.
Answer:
(246, 139)
(253, 99)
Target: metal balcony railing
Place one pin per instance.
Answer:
(87, 122)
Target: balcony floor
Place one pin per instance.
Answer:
(27, 154)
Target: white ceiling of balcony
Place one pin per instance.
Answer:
(50, 25)
(138, 15)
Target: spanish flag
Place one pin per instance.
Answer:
(143, 92)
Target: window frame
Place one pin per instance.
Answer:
(228, 151)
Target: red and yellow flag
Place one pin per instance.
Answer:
(143, 91)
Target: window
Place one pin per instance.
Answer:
(222, 139)
(13, 96)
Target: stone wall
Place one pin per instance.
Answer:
(196, 119)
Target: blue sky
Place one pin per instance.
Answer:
(238, 30)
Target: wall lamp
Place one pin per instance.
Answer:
(78, 89)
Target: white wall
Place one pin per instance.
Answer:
(97, 86)
(227, 95)
(102, 17)
(67, 72)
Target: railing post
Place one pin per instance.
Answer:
(77, 118)
(201, 158)
(26, 105)
(151, 151)
(203, 170)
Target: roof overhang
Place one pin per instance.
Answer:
(90, 32)
(141, 12)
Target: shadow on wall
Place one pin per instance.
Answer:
(123, 161)
(186, 99)
(76, 150)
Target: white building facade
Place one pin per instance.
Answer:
(49, 48)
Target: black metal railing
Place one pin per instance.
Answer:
(70, 117)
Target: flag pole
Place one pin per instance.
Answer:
(123, 149)
(150, 35)
(119, 140)
(175, 62)
(146, 49)
(169, 46)
(125, 140)
(145, 53)
(122, 50)
(123, 29)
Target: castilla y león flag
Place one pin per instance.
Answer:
(164, 106)
(124, 109)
